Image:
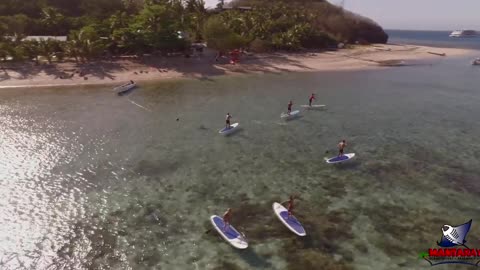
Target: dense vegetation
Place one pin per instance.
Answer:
(114, 27)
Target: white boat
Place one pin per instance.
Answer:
(463, 33)
(476, 62)
(125, 87)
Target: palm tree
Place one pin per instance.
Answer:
(72, 49)
(4, 50)
(84, 44)
(32, 49)
(51, 19)
(48, 48)
(196, 15)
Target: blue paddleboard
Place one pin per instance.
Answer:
(339, 159)
(231, 235)
(226, 131)
(290, 222)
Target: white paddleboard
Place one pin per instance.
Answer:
(290, 222)
(292, 114)
(315, 106)
(231, 235)
(340, 159)
(226, 130)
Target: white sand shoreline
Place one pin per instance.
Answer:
(153, 69)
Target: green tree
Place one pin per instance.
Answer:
(196, 16)
(52, 20)
(3, 30)
(31, 49)
(85, 44)
(47, 48)
(218, 36)
(4, 50)
(17, 25)
(157, 28)
(220, 4)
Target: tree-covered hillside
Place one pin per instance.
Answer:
(98, 27)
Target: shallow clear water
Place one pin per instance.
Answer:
(89, 180)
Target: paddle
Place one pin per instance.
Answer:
(244, 237)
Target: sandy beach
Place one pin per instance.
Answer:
(152, 68)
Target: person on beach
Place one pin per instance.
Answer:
(312, 97)
(289, 107)
(227, 216)
(227, 120)
(290, 205)
(341, 146)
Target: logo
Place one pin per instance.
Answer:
(452, 248)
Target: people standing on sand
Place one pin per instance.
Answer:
(341, 146)
(227, 216)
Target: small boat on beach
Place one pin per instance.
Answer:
(125, 88)
(476, 62)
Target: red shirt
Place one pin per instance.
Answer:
(290, 205)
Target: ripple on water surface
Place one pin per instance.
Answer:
(90, 181)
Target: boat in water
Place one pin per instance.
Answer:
(125, 88)
(463, 33)
(476, 62)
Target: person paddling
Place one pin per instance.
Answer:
(227, 216)
(290, 205)
(312, 97)
(341, 146)
(289, 107)
(227, 120)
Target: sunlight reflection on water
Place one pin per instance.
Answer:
(36, 204)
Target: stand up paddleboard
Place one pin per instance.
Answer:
(225, 130)
(232, 236)
(313, 106)
(291, 115)
(340, 159)
(291, 222)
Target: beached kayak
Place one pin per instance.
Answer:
(124, 89)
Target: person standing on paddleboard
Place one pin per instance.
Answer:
(289, 107)
(227, 120)
(341, 146)
(227, 216)
(312, 97)
(290, 205)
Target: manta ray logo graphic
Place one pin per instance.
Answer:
(453, 236)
